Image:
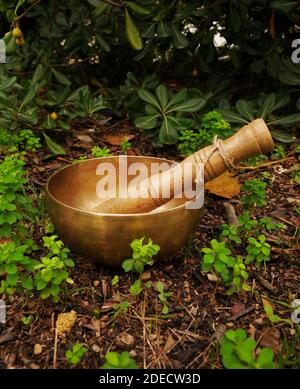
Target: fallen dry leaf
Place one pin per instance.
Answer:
(170, 343)
(237, 309)
(226, 185)
(6, 335)
(271, 339)
(65, 322)
(116, 140)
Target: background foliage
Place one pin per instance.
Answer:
(83, 59)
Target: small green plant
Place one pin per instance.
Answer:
(239, 277)
(25, 140)
(136, 288)
(267, 223)
(75, 354)
(278, 152)
(15, 206)
(100, 152)
(163, 297)
(272, 316)
(298, 210)
(212, 125)
(219, 258)
(238, 352)
(26, 320)
(166, 113)
(51, 272)
(232, 270)
(246, 223)
(258, 251)
(255, 193)
(230, 232)
(16, 266)
(115, 281)
(255, 161)
(81, 158)
(120, 310)
(297, 151)
(116, 360)
(125, 146)
(142, 255)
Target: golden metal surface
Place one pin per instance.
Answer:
(105, 238)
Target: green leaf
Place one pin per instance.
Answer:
(127, 265)
(132, 33)
(192, 105)
(179, 40)
(102, 42)
(38, 74)
(101, 8)
(168, 133)
(162, 94)
(163, 30)
(8, 83)
(29, 96)
(283, 137)
(12, 279)
(54, 147)
(244, 109)
(265, 358)
(231, 116)
(61, 78)
(178, 98)
(286, 120)
(245, 350)
(137, 8)
(268, 105)
(19, 4)
(112, 358)
(27, 283)
(283, 6)
(5, 102)
(148, 97)
(146, 122)
(11, 268)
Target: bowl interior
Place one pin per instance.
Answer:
(76, 185)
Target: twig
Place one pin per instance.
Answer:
(266, 284)
(144, 333)
(264, 164)
(55, 349)
(239, 315)
(230, 213)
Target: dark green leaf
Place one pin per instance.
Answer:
(54, 147)
(168, 134)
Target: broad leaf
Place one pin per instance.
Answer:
(162, 94)
(146, 122)
(268, 105)
(192, 105)
(55, 148)
(244, 109)
(168, 134)
(148, 97)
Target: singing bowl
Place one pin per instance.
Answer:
(105, 238)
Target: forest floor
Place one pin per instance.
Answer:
(200, 311)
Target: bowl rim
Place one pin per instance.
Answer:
(130, 215)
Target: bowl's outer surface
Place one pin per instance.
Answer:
(105, 238)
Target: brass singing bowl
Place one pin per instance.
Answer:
(105, 238)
